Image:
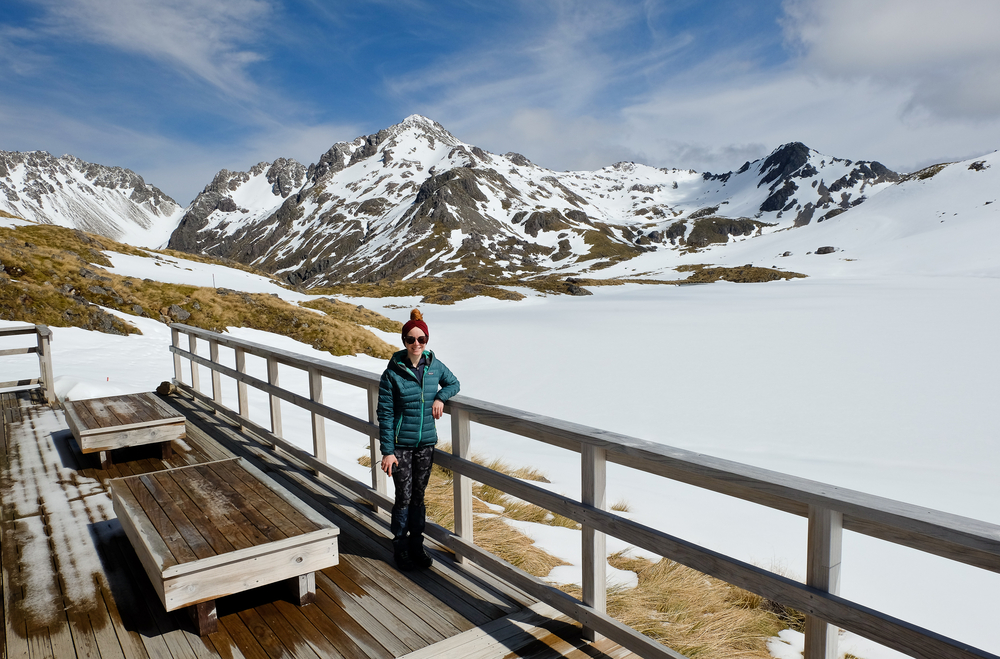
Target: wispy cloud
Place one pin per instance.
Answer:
(212, 40)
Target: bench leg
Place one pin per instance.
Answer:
(167, 450)
(204, 617)
(106, 461)
(303, 588)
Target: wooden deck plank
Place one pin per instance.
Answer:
(366, 630)
(15, 627)
(267, 501)
(322, 633)
(505, 637)
(373, 576)
(160, 520)
(143, 525)
(257, 528)
(198, 534)
(135, 599)
(291, 616)
(269, 640)
(415, 614)
(244, 640)
(298, 646)
(128, 640)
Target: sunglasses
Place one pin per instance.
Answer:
(410, 339)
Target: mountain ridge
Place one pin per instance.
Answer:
(413, 200)
(111, 201)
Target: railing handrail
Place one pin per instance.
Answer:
(43, 349)
(787, 493)
(828, 507)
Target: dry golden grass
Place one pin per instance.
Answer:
(703, 274)
(695, 614)
(60, 277)
(621, 506)
(354, 314)
(433, 290)
(692, 613)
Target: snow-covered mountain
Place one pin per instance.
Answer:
(414, 200)
(110, 201)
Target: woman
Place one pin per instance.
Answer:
(411, 397)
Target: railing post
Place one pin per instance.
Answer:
(826, 530)
(175, 341)
(461, 438)
(193, 349)
(374, 450)
(318, 422)
(274, 401)
(213, 353)
(45, 363)
(595, 559)
(241, 387)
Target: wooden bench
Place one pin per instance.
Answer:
(104, 424)
(205, 531)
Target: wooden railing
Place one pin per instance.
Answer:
(44, 351)
(829, 509)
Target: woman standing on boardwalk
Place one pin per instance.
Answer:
(411, 396)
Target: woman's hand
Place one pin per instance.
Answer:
(437, 408)
(388, 462)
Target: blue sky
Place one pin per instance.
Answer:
(178, 89)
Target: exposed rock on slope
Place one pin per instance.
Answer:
(69, 192)
(414, 200)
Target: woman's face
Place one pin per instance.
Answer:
(415, 349)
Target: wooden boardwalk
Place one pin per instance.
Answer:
(73, 586)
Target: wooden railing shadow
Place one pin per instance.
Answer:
(829, 509)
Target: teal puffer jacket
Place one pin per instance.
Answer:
(404, 410)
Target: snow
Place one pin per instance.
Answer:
(789, 644)
(173, 270)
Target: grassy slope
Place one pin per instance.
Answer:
(60, 277)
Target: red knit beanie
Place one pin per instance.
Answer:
(416, 320)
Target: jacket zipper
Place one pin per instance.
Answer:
(420, 434)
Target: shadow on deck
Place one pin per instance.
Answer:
(73, 586)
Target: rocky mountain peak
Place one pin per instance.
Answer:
(68, 191)
(783, 162)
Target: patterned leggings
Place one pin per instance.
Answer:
(410, 477)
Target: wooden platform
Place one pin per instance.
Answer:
(101, 425)
(74, 587)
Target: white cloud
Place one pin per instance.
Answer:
(201, 38)
(945, 53)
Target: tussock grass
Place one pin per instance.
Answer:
(433, 290)
(746, 274)
(621, 506)
(692, 613)
(59, 277)
(354, 314)
(602, 246)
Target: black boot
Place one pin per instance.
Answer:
(400, 541)
(418, 557)
(401, 552)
